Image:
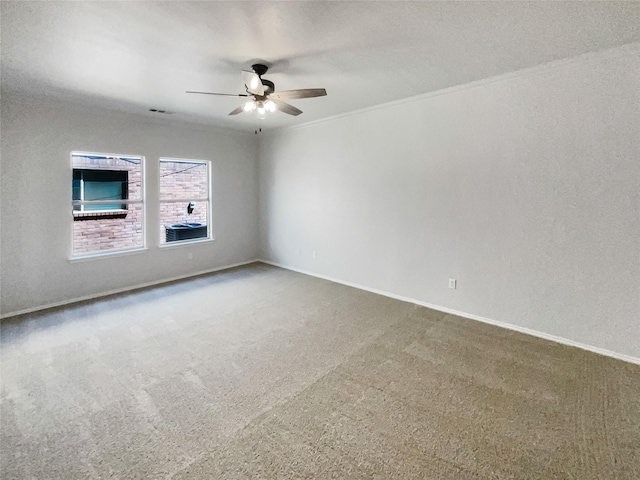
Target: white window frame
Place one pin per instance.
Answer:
(127, 201)
(209, 237)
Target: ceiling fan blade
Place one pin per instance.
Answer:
(302, 93)
(222, 94)
(252, 82)
(236, 111)
(286, 108)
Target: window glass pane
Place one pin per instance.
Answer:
(177, 224)
(101, 234)
(77, 189)
(103, 191)
(183, 180)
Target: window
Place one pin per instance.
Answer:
(185, 204)
(100, 185)
(107, 203)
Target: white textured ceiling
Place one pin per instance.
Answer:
(132, 56)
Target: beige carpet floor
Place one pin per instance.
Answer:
(262, 373)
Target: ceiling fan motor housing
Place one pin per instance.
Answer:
(260, 69)
(269, 86)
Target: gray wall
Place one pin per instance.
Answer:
(35, 230)
(526, 189)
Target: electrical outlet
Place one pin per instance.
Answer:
(452, 283)
(190, 256)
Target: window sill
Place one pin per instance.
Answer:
(109, 254)
(98, 214)
(181, 243)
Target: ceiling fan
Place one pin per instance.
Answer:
(262, 95)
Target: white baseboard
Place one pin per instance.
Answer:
(509, 326)
(122, 290)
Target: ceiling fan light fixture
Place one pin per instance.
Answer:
(270, 106)
(261, 108)
(249, 106)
